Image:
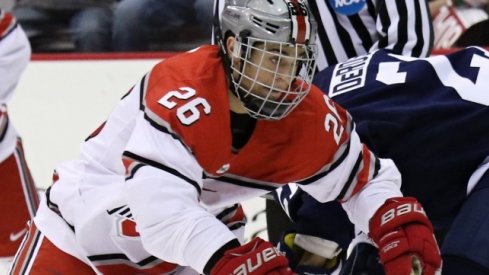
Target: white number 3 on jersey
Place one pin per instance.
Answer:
(189, 112)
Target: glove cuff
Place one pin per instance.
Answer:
(218, 255)
(315, 245)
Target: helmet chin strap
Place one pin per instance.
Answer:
(265, 107)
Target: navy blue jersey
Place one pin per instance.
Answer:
(429, 115)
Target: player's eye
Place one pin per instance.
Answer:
(274, 59)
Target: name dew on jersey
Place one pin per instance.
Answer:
(349, 75)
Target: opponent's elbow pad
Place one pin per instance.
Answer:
(404, 235)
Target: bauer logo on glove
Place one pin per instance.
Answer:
(404, 235)
(401, 210)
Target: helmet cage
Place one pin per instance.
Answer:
(274, 101)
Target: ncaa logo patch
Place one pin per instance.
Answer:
(347, 7)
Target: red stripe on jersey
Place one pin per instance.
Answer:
(30, 191)
(128, 165)
(26, 251)
(238, 216)
(55, 177)
(364, 175)
(6, 23)
(38, 255)
(298, 15)
(96, 132)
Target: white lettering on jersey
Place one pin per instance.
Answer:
(182, 93)
(468, 90)
(389, 73)
(349, 75)
(342, 3)
(331, 121)
(187, 113)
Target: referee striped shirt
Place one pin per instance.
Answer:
(403, 26)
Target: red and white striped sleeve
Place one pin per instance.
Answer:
(354, 176)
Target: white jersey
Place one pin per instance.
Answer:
(15, 53)
(158, 182)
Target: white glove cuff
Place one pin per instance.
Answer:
(318, 246)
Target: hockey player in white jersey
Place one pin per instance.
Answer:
(157, 187)
(18, 196)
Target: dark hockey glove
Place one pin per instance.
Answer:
(311, 255)
(257, 257)
(363, 259)
(405, 238)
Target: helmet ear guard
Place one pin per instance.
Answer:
(282, 29)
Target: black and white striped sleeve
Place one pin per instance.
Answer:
(403, 25)
(406, 27)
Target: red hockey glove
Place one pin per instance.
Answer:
(404, 235)
(257, 257)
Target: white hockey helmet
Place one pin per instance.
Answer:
(288, 27)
